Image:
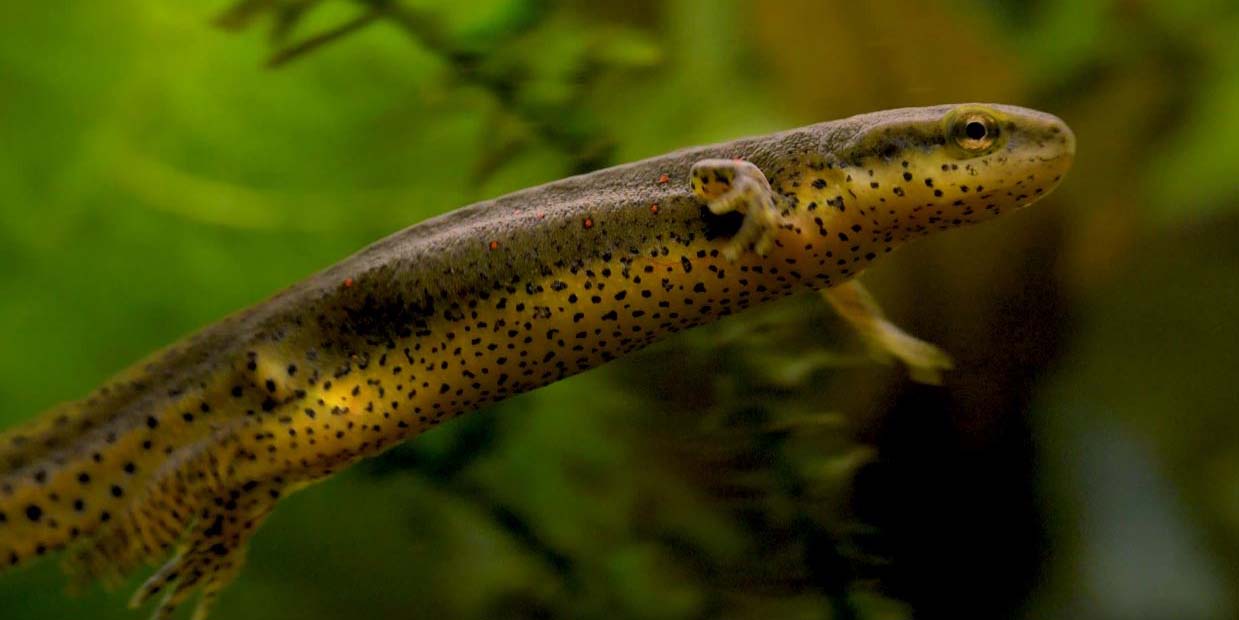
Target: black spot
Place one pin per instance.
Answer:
(34, 513)
(386, 319)
(725, 225)
(216, 529)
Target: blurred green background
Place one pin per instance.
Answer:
(163, 163)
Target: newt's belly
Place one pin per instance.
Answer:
(453, 356)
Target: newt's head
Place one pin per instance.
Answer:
(910, 172)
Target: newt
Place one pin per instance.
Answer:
(186, 453)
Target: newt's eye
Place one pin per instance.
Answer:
(974, 131)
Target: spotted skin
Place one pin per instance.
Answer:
(188, 451)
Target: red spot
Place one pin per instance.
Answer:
(589, 223)
(654, 208)
(494, 245)
(664, 179)
(348, 283)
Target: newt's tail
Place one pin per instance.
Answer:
(120, 477)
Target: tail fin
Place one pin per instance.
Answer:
(145, 389)
(105, 476)
(58, 428)
(144, 468)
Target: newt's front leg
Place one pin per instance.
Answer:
(728, 185)
(925, 362)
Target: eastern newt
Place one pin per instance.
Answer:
(185, 453)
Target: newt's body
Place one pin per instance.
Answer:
(192, 448)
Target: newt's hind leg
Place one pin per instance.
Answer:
(728, 185)
(214, 550)
(925, 362)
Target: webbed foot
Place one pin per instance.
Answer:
(728, 185)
